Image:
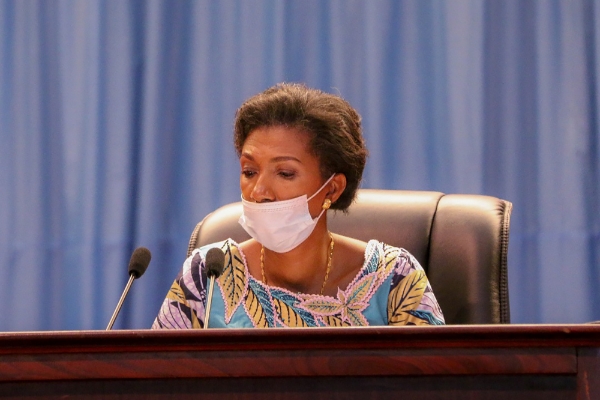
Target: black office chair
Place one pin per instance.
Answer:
(460, 240)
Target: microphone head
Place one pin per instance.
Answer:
(140, 259)
(215, 261)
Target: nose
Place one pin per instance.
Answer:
(261, 191)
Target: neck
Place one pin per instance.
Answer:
(301, 269)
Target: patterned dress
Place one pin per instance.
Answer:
(390, 289)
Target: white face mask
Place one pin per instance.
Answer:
(280, 226)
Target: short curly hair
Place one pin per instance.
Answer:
(334, 124)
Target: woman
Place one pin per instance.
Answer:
(301, 152)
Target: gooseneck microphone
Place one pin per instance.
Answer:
(140, 259)
(215, 261)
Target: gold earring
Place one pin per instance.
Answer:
(326, 204)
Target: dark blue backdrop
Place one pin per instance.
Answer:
(116, 120)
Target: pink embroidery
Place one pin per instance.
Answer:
(348, 305)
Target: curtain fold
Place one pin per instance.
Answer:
(116, 123)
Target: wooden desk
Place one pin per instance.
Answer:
(450, 362)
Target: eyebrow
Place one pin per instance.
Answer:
(274, 159)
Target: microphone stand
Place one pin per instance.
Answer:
(120, 304)
(211, 286)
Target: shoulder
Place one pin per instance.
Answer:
(398, 255)
(356, 254)
(362, 249)
(350, 248)
(411, 300)
(201, 251)
(389, 260)
(198, 256)
(355, 259)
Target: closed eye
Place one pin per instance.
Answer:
(287, 174)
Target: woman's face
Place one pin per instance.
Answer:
(277, 165)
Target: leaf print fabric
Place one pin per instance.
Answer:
(391, 288)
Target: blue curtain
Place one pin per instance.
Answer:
(116, 131)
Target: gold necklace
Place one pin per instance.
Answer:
(329, 258)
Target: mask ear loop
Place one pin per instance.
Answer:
(327, 202)
(321, 188)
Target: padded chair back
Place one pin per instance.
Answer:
(460, 240)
